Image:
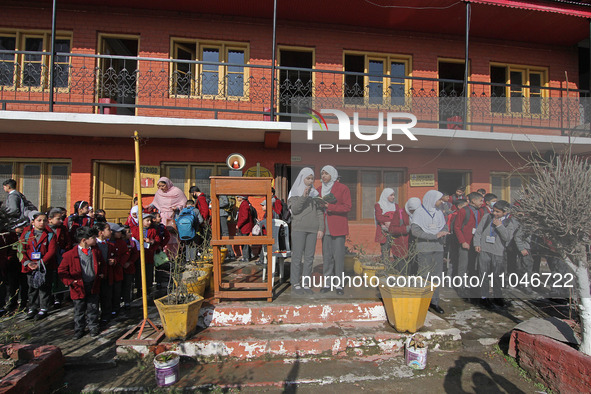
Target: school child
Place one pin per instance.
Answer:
(39, 262)
(162, 272)
(244, 224)
(276, 204)
(263, 225)
(10, 271)
(109, 254)
(525, 260)
(151, 243)
(384, 211)
(493, 234)
(55, 224)
(188, 223)
(132, 220)
(336, 224)
(465, 225)
(129, 266)
(459, 194)
(482, 192)
(489, 201)
(99, 216)
(115, 273)
(307, 228)
(163, 232)
(82, 269)
(79, 218)
(429, 228)
(452, 242)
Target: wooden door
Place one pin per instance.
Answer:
(115, 190)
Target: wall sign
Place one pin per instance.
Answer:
(149, 176)
(422, 179)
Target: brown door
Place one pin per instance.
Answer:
(115, 190)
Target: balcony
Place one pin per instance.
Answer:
(85, 83)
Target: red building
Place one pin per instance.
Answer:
(197, 82)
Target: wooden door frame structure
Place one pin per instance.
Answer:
(240, 186)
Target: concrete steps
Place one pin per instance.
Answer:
(251, 331)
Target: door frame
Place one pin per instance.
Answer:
(468, 177)
(95, 177)
(294, 48)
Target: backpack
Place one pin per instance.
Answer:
(27, 207)
(185, 223)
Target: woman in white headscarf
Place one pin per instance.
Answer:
(336, 225)
(307, 225)
(429, 227)
(384, 214)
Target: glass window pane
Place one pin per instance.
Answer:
(62, 46)
(354, 84)
(369, 197)
(235, 57)
(393, 179)
(7, 61)
(210, 55)
(59, 186)
(497, 186)
(202, 179)
(5, 173)
(397, 71)
(515, 186)
(32, 183)
(32, 67)
(210, 83)
(235, 85)
(376, 70)
(178, 176)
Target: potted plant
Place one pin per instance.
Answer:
(406, 298)
(365, 264)
(179, 309)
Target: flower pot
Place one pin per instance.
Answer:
(205, 267)
(178, 320)
(415, 358)
(357, 268)
(167, 371)
(223, 253)
(371, 270)
(349, 263)
(406, 307)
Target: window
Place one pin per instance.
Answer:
(30, 70)
(518, 89)
(7, 62)
(184, 175)
(209, 79)
(386, 82)
(507, 187)
(45, 184)
(366, 187)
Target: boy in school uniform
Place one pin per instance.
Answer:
(489, 201)
(465, 225)
(151, 243)
(493, 234)
(122, 255)
(82, 270)
(79, 218)
(62, 235)
(109, 254)
(39, 253)
(133, 253)
(452, 241)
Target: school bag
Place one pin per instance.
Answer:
(38, 276)
(185, 223)
(27, 207)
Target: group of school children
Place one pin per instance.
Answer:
(476, 233)
(97, 260)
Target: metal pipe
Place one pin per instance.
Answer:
(52, 57)
(273, 60)
(138, 186)
(466, 68)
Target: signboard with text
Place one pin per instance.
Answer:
(422, 179)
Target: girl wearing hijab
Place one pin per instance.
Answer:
(307, 225)
(400, 227)
(132, 220)
(384, 216)
(168, 198)
(336, 225)
(429, 227)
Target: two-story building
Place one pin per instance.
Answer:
(202, 80)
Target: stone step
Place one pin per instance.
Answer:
(303, 340)
(235, 314)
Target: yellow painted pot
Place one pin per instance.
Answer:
(406, 307)
(178, 321)
(349, 263)
(371, 270)
(205, 267)
(197, 285)
(357, 268)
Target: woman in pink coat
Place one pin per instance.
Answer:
(336, 225)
